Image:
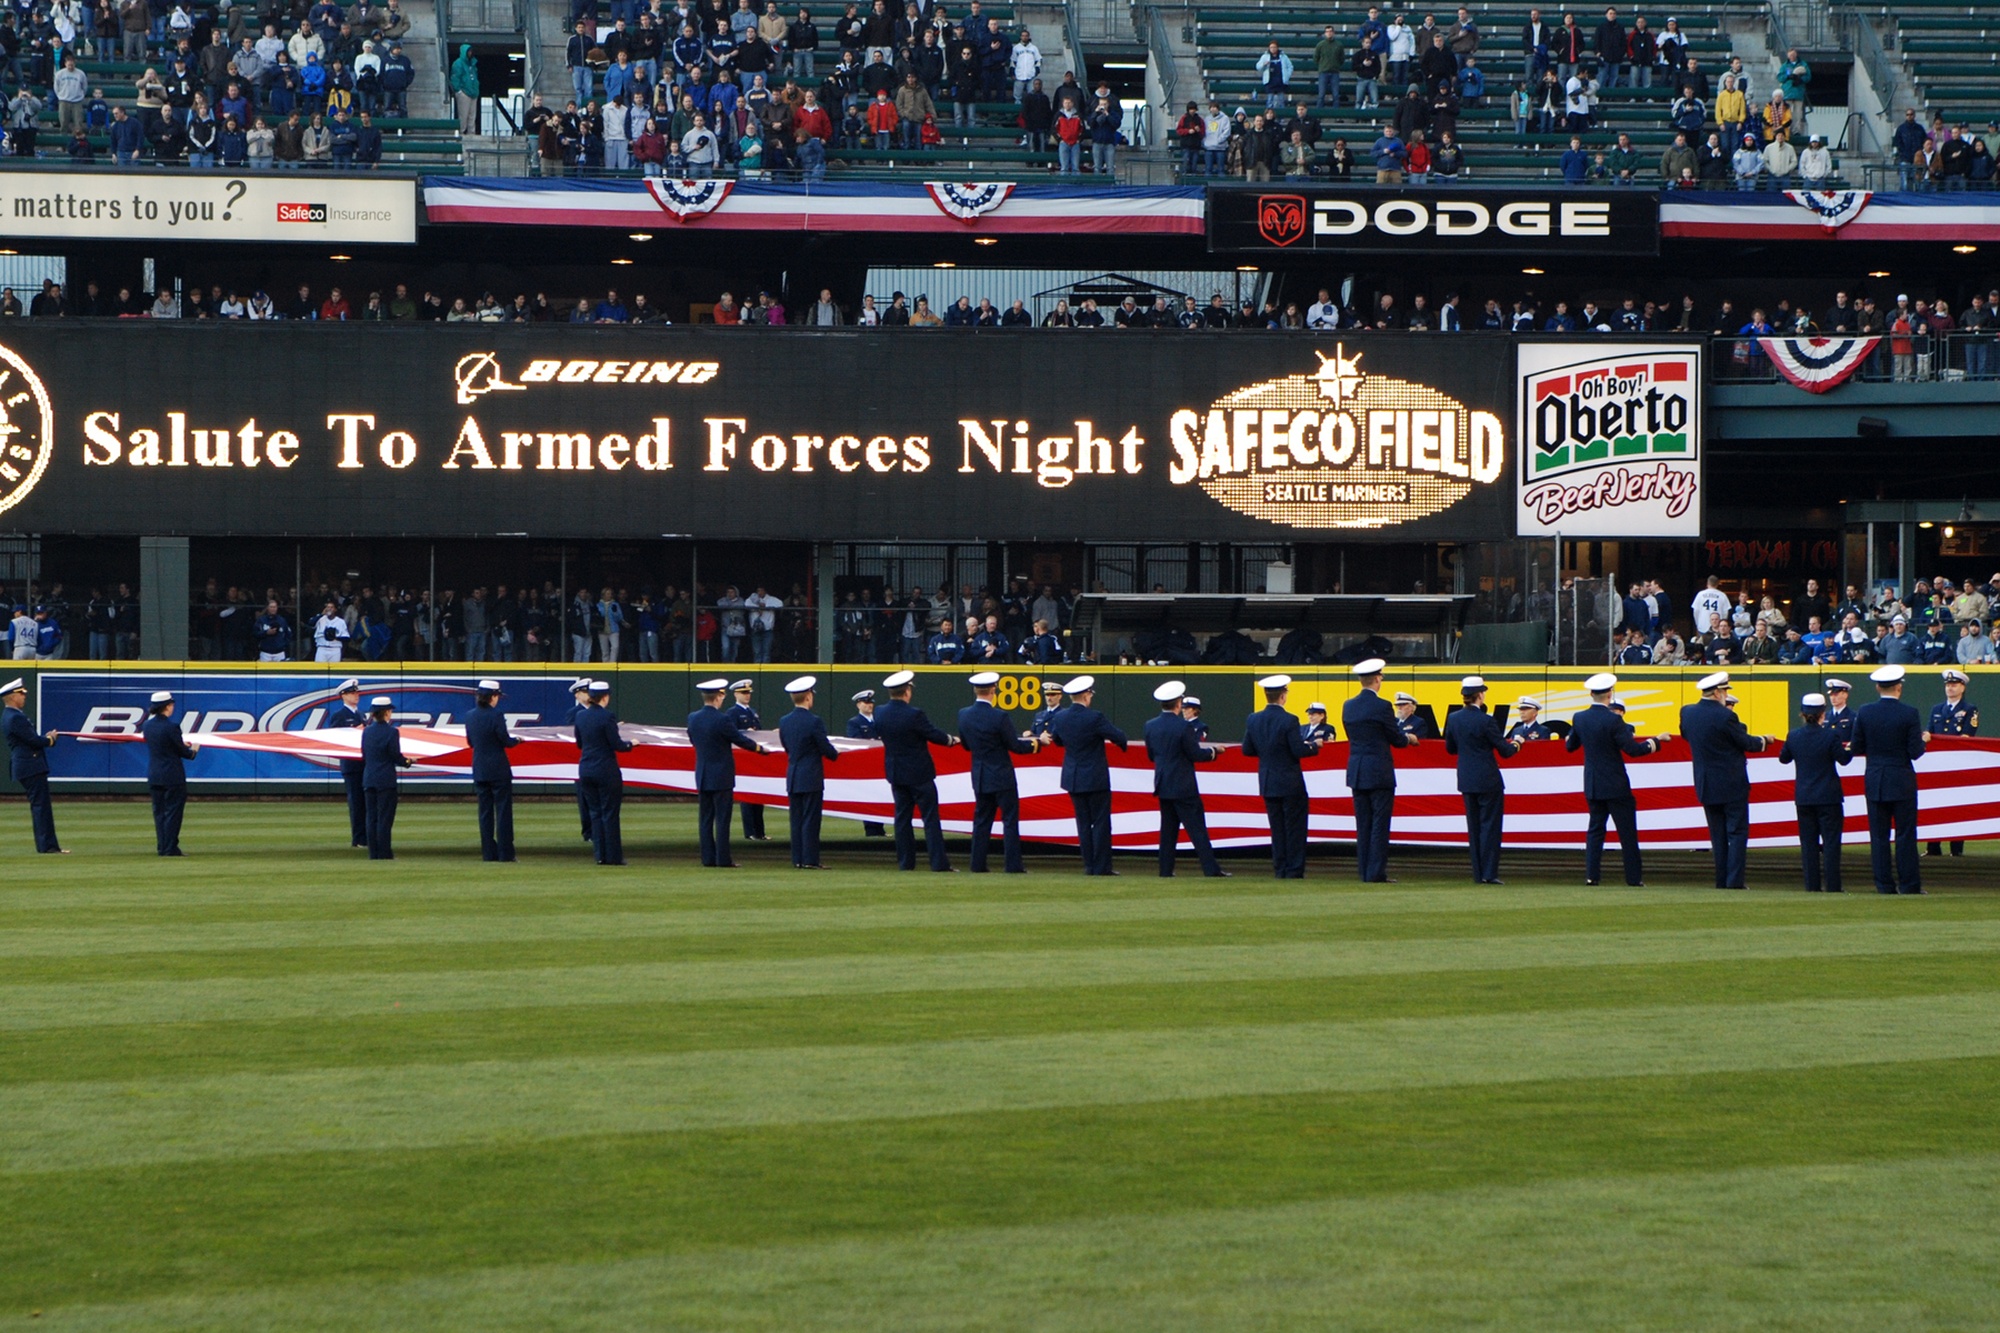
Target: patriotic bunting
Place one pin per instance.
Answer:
(969, 202)
(689, 198)
(1817, 364)
(1834, 208)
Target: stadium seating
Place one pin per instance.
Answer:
(1952, 54)
(1230, 37)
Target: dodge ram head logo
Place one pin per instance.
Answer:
(1281, 218)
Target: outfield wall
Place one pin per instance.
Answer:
(101, 697)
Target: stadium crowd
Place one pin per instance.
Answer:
(296, 83)
(1939, 621)
(722, 623)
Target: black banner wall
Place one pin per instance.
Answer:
(1445, 220)
(471, 430)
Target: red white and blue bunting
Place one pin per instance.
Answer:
(1000, 208)
(1834, 208)
(689, 198)
(1817, 364)
(971, 201)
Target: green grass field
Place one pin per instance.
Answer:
(274, 1086)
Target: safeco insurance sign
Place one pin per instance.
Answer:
(1610, 440)
(209, 206)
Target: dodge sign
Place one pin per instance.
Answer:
(1303, 217)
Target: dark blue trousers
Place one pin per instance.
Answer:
(1287, 818)
(1729, 840)
(583, 810)
(1624, 812)
(357, 804)
(1372, 809)
(1820, 827)
(41, 813)
(381, 823)
(1093, 829)
(803, 808)
(1907, 877)
(1007, 805)
(607, 835)
(1485, 818)
(717, 808)
(753, 820)
(169, 803)
(496, 820)
(1185, 813)
(911, 802)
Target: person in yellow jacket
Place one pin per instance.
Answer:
(1731, 110)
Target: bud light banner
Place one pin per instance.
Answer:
(113, 704)
(1610, 440)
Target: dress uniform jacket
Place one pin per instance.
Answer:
(1815, 750)
(166, 752)
(907, 735)
(1372, 731)
(1955, 719)
(989, 736)
(1272, 737)
(1888, 734)
(712, 732)
(1718, 742)
(486, 732)
(1175, 747)
(807, 748)
(28, 746)
(1474, 736)
(1083, 733)
(1606, 740)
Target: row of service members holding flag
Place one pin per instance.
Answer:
(1830, 734)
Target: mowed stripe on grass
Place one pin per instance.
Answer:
(1000, 1068)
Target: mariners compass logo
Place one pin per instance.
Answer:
(26, 429)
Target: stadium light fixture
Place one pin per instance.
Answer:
(944, 263)
(621, 261)
(986, 240)
(1878, 273)
(1947, 530)
(9, 252)
(1534, 272)
(1964, 249)
(641, 235)
(340, 259)
(1926, 525)
(1246, 268)
(1124, 64)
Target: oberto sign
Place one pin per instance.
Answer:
(1457, 220)
(209, 206)
(1610, 440)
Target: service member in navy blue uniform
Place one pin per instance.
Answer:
(1052, 703)
(167, 753)
(747, 720)
(861, 727)
(713, 732)
(1317, 729)
(1417, 726)
(492, 772)
(28, 759)
(348, 714)
(1273, 738)
(1373, 729)
(907, 736)
(1083, 732)
(1175, 748)
(992, 741)
(1474, 735)
(1191, 714)
(1607, 740)
(1889, 735)
(381, 756)
(1718, 744)
(1530, 727)
(579, 693)
(807, 750)
(1956, 716)
(1839, 717)
(598, 746)
(1816, 793)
